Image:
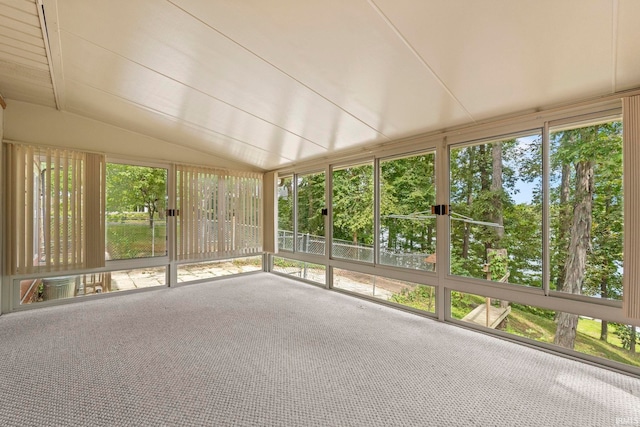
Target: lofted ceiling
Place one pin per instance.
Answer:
(269, 83)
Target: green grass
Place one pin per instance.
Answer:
(133, 240)
(588, 340)
(538, 324)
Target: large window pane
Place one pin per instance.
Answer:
(210, 269)
(407, 228)
(285, 214)
(420, 297)
(305, 270)
(310, 219)
(595, 337)
(586, 216)
(353, 213)
(586, 209)
(55, 204)
(496, 204)
(62, 287)
(136, 201)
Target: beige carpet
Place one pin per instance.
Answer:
(262, 350)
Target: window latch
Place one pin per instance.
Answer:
(440, 209)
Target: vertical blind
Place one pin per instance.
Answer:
(220, 213)
(56, 209)
(631, 184)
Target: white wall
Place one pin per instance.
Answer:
(36, 124)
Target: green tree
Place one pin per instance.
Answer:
(482, 181)
(285, 204)
(589, 247)
(407, 186)
(353, 204)
(136, 188)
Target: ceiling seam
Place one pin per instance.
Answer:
(47, 49)
(614, 44)
(281, 70)
(23, 52)
(32, 40)
(20, 21)
(181, 121)
(413, 50)
(196, 90)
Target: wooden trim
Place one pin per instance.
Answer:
(2, 103)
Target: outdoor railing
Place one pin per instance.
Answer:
(314, 244)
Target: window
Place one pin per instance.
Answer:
(219, 213)
(206, 270)
(408, 294)
(35, 290)
(310, 231)
(586, 209)
(407, 228)
(496, 210)
(353, 212)
(56, 209)
(304, 270)
(594, 337)
(285, 213)
(136, 203)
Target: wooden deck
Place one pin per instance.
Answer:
(479, 316)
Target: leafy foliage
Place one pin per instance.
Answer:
(627, 335)
(136, 188)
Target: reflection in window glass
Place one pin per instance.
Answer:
(136, 202)
(407, 228)
(304, 270)
(594, 337)
(285, 213)
(310, 219)
(61, 287)
(353, 213)
(496, 210)
(207, 270)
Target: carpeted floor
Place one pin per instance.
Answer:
(262, 350)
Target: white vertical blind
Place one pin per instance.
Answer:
(631, 184)
(56, 208)
(270, 214)
(220, 213)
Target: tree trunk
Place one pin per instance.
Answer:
(579, 245)
(496, 190)
(465, 241)
(604, 330)
(563, 226)
(483, 167)
(604, 326)
(485, 186)
(469, 190)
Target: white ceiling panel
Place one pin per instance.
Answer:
(24, 65)
(93, 103)
(264, 84)
(343, 51)
(500, 57)
(183, 51)
(628, 45)
(146, 88)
